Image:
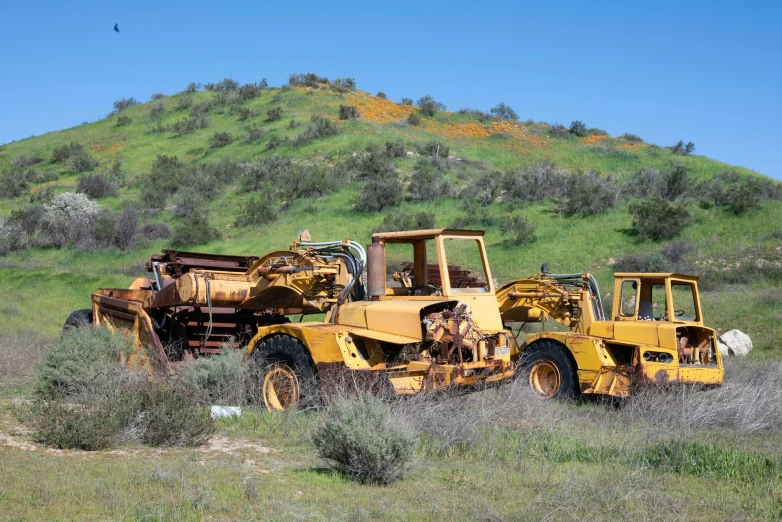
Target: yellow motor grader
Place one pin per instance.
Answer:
(416, 310)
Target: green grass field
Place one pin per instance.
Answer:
(551, 461)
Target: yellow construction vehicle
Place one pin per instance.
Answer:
(417, 310)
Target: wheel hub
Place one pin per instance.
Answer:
(280, 387)
(544, 378)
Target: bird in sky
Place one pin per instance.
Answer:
(116, 28)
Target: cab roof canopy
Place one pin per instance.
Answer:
(656, 275)
(410, 235)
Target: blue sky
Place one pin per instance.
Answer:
(707, 72)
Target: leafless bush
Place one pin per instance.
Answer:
(156, 231)
(157, 109)
(536, 182)
(126, 231)
(22, 161)
(124, 103)
(97, 186)
(588, 193)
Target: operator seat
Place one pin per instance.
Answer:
(645, 311)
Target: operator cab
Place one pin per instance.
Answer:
(656, 297)
(429, 264)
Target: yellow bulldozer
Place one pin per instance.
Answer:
(415, 310)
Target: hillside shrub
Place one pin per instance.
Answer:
(402, 220)
(29, 219)
(274, 114)
(244, 113)
(123, 120)
(655, 218)
(642, 262)
(504, 112)
(13, 183)
(228, 84)
(560, 131)
(23, 161)
(428, 106)
(519, 230)
(154, 231)
(201, 109)
(254, 133)
(578, 128)
(263, 173)
(103, 230)
(174, 415)
(162, 181)
(81, 162)
(157, 96)
(374, 162)
(10, 235)
(258, 210)
(535, 182)
(379, 193)
(306, 181)
(381, 95)
(735, 193)
(185, 102)
(361, 439)
(473, 215)
(343, 85)
(480, 115)
(249, 91)
(194, 229)
(124, 103)
(189, 125)
(414, 119)
(220, 139)
(395, 149)
(97, 186)
(81, 360)
(126, 230)
(587, 193)
(68, 218)
(274, 142)
(674, 184)
(219, 379)
(434, 148)
(676, 253)
(307, 80)
(632, 138)
(61, 154)
(189, 200)
(406, 101)
(486, 188)
(682, 149)
(320, 127)
(157, 109)
(348, 112)
(428, 183)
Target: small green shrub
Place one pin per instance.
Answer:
(254, 133)
(348, 112)
(428, 106)
(13, 184)
(97, 186)
(655, 218)
(307, 80)
(123, 120)
(189, 125)
(174, 415)
(264, 173)
(274, 114)
(185, 102)
(126, 230)
(124, 103)
(400, 220)
(519, 230)
(320, 127)
(504, 112)
(379, 193)
(157, 96)
(157, 109)
(221, 139)
(257, 211)
(578, 128)
(104, 229)
(414, 119)
(474, 215)
(682, 149)
(535, 183)
(560, 131)
(83, 358)
(194, 229)
(735, 193)
(219, 379)
(642, 262)
(82, 162)
(406, 101)
(23, 161)
(65, 426)
(163, 180)
(61, 154)
(395, 149)
(154, 231)
(587, 193)
(360, 439)
(274, 142)
(428, 183)
(632, 138)
(434, 148)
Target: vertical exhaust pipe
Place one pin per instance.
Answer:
(376, 269)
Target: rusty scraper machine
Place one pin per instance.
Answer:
(398, 311)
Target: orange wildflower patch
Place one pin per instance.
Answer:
(105, 148)
(595, 140)
(377, 109)
(520, 138)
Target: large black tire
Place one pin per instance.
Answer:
(286, 373)
(78, 319)
(549, 370)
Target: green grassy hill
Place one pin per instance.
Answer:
(42, 284)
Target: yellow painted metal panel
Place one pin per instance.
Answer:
(641, 332)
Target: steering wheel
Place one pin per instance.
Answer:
(676, 313)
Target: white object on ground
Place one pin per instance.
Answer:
(225, 411)
(735, 342)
